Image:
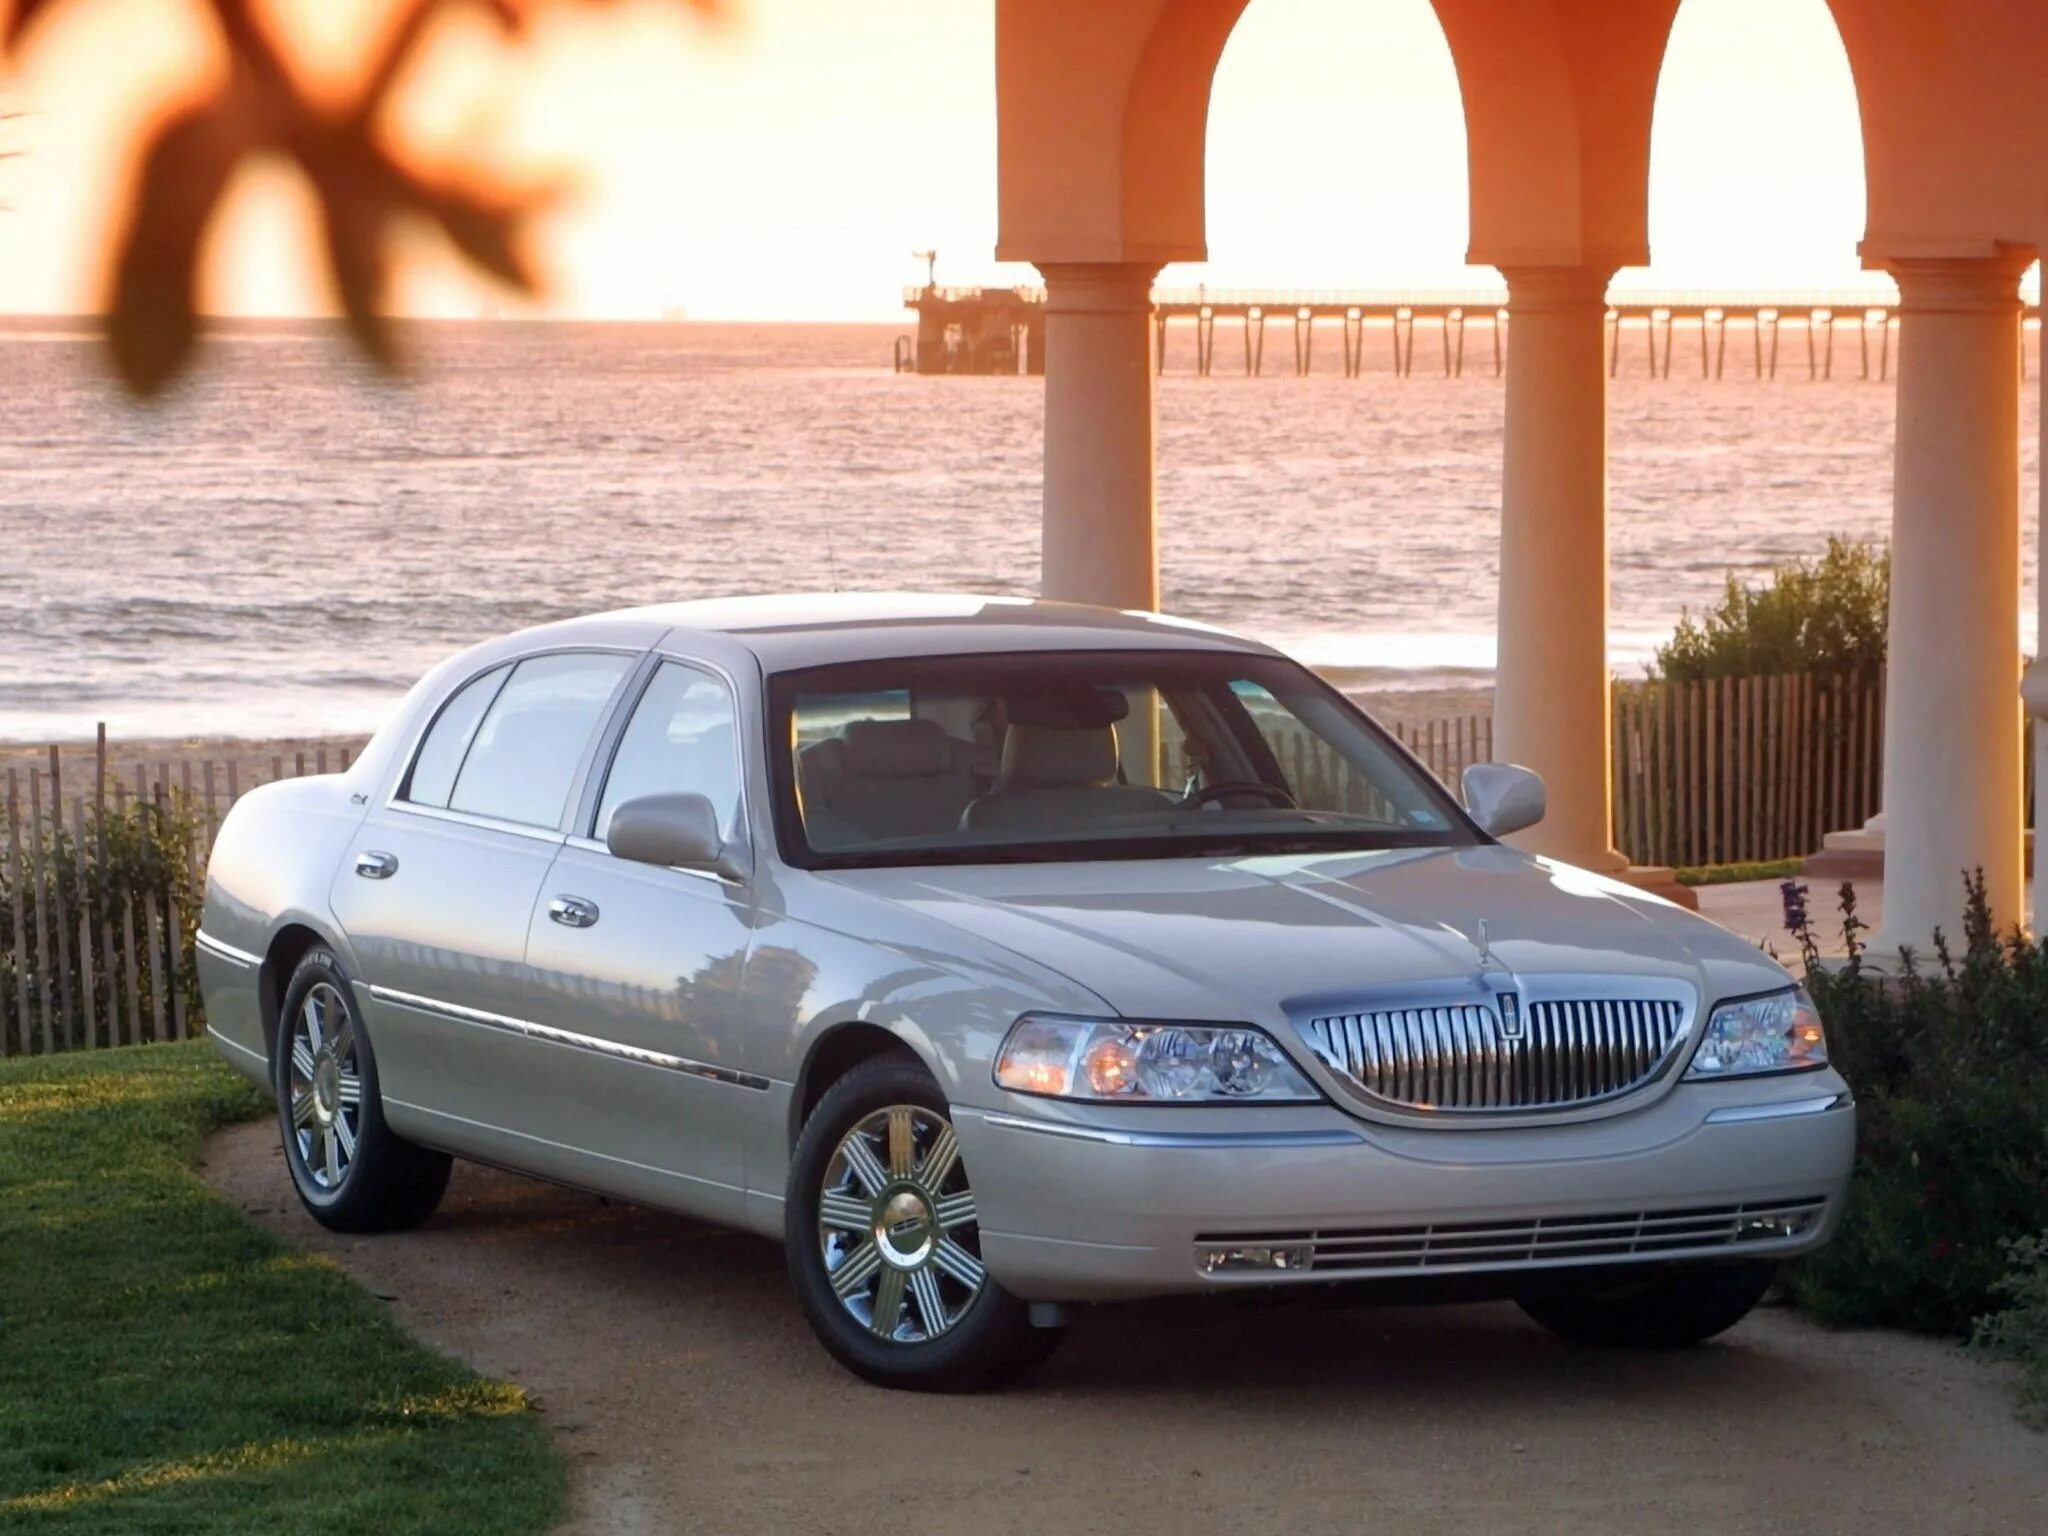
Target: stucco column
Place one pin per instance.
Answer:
(1952, 710)
(1101, 520)
(1551, 697)
(2034, 686)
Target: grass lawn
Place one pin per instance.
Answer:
(166, 1367)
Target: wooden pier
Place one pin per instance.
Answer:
(1753, 335)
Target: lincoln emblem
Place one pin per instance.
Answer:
(1510, 1016)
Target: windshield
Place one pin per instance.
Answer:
(1078, 755)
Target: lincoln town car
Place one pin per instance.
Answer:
(1003, 957)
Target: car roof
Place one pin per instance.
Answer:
(818, 629)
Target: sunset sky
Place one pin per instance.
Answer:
(785, 167)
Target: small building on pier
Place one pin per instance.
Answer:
(974, 330)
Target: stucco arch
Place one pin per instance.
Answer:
(1102, 115)
(1558, 101)
(1103, 112)
(1955, 123)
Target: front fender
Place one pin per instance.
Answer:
(945, 996)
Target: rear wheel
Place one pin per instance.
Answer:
(1669, 1310)
(352, 1173)
(883, 1240)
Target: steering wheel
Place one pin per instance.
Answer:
(1209, 792)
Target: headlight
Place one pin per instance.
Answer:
(1777, 1033)
(1113, 1061)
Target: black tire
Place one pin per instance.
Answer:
(386, 1184)
(992, 1338)
(1671, 1309)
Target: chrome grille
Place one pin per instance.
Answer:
(1459, 1058)
(1595, 1239)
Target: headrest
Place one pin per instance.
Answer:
(1068, 706)
(1049, 756)
(899, 749)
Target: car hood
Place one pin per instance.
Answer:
(1260, 938)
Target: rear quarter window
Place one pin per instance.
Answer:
(440, 758)
(508, 744)
(524, 758)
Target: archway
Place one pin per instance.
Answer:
(1336, 162)
(1103, 181)
(1756, 150)
(1335, 154)
(1756, 184)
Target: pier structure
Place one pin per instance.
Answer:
(1350, 315)
(1002, 330)
(1658, 318)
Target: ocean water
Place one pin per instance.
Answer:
(286, 544)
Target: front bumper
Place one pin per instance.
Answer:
(1084, 1204)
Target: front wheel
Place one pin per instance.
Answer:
(1670, 1310)
(883, 1240)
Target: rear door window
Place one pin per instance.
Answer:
(523, 758)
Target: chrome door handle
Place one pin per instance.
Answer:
(573, 911)
(372, 865)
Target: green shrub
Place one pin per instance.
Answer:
(1736, 873)
(1825, 615)
(1949, 1061)
(2020, 1333)
(129, 862)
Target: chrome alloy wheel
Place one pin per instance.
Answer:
(326, 1087)
(895, 1226)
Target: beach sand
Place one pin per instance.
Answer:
(1425, 706)
(183, 762)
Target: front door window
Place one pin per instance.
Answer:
(682, 739)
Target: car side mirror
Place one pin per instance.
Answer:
(675, 831)
(1503, 797)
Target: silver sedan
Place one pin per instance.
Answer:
(1000, 957)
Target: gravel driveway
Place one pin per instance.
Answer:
(675, 1372)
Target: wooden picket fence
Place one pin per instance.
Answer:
(1720, 771)
(100, 882)
(1732, 769)
(1319, 775)
(99, 896)
(1447, 747)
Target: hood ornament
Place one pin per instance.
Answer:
(1500, 981)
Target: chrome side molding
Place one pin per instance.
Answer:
(206, 941)
(638, 1055)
